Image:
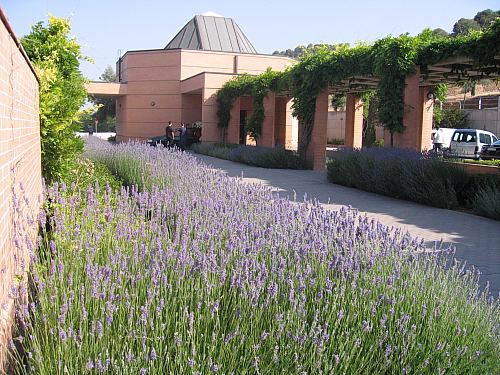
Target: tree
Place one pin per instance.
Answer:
(56, 57)
(108, 75)
(440, 32)
(486, 17)
(338, 102)
(451, 117)
(106, 111)
(299, 51)
(464, 26)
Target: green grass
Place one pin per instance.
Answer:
(492, 162)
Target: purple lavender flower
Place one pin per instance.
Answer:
(152, 354)
(62, 335)
(388, 350)
(340, 315)
(129, 357)
(98, 329)
(90, 365)
(145, 264)
(366, 326)
(215, 307)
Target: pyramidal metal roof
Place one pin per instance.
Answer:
(212, 32)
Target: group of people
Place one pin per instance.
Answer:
(169, 132)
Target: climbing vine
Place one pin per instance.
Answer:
(226, 96)
(390, 59)
(257, 87)
(262, 84)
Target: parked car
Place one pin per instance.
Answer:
(491, 151)
(193, 135)
(467, 143)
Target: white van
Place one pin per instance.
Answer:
(467, 143)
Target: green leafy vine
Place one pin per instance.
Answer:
(391, 60)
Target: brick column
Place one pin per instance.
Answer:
(417, 118)
(233, 130)
(280, 122)
(290, 131)
(354, 122)
(317, 148)
(424, 141)
(267, 137)
(210, 132)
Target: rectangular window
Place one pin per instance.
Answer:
(469, 137)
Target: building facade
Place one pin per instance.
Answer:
(179, 83)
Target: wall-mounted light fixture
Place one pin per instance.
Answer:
(430, 95)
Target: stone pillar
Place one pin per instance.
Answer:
(316, 152)
(267, 137)
(417, 117)
(280, 122)
(354, 122)
(291, 127)
(283, 123)
(233, 130)
(210, 132)
(424, 141)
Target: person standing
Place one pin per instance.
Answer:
(169, 132)
(438, 141)
(182, 136)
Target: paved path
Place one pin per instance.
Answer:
(477, 239)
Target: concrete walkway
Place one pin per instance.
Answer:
(477, 239)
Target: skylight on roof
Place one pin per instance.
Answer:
(211, 14)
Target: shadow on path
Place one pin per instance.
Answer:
(477, 239)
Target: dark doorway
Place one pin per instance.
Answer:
(243, 121)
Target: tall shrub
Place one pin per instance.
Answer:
(56, 57)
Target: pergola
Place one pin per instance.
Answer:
(458, 69)
(418, 97)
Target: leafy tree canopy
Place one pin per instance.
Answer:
(451, 117)
(56, 57)
(299, 51)
(106, 107)
(486, 17)
(109, 74)
(440, 32)
(482, 20)
(464, 26)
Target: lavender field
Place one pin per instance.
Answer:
(190, 272)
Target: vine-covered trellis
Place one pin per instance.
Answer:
(390, 60)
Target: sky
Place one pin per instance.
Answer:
(108, 28)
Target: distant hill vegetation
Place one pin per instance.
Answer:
(462, 27)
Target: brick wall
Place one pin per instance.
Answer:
(20, 167)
